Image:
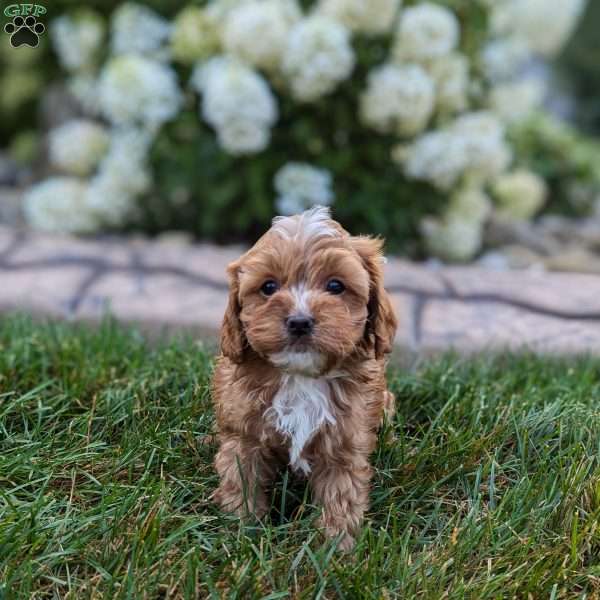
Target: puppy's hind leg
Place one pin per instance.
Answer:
(245, 471)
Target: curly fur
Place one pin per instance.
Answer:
(314, 403)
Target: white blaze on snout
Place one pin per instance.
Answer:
(291, 360)
(302, 404)
(301, 296)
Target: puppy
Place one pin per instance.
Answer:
(301, 378)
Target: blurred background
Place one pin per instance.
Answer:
(462, 131)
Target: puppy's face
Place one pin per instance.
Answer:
(307, 295)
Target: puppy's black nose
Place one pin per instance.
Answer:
(299, 326)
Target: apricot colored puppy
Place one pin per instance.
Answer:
(301, 378)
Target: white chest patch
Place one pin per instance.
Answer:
(300, 408)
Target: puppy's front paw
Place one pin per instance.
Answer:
(236, 502)
(346, 540)
(347, 543)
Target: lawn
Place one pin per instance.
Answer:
(490, 489)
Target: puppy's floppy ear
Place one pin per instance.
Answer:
(233, 338)
(381, 321)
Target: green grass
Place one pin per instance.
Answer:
(490, 490)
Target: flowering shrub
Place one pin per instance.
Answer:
(300, 186)
(90, 138)
(411, 117)
(238, 103)
(137, 91)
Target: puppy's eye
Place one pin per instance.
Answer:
(269, 287)
(335, 286)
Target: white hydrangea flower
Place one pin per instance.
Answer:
(469, 203)
(194, 36)
(289, 205)
(519, 195)
(516, 100)
(426, 31)
(318, 56)
(437, 157)
(372, 17)
(137, 90)
(451, 76)
(77, 147)
(398, 99)
(453, 239)
(218, 12)
(481, 135)
(238, 103)
(126, 160)
(136, 28)
(111, 204)
(84, 89)
(504, 58)
(220, 9)
(457, 236)
(77, 38)
(242, 136)
(123, 175)
(256, 32)
(300, 186)
(544, 25)
(472, 147)
(58, 204)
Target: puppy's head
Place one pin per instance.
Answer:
(308, 295)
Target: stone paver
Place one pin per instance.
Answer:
(169, 283)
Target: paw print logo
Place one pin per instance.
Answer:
(24, 31)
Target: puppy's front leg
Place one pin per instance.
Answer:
(342, 489)
(244, 471)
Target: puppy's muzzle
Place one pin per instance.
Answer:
(299, 326)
